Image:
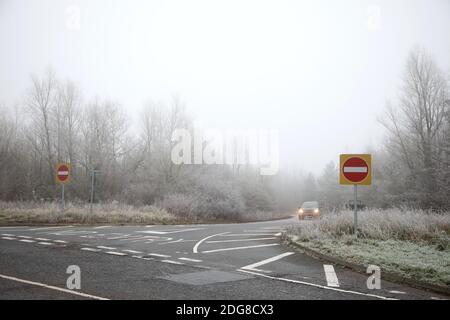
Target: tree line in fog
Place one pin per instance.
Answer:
(54, 123)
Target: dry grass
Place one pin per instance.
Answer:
(110, 213)
(412, 243)
(50, 212)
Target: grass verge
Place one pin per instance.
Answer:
(413, 244)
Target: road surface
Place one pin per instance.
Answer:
(218, 261)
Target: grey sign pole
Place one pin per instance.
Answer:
(355, 207)
(62, 199)
(93, 173)
(92, 190)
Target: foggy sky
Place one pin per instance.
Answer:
(318, 71)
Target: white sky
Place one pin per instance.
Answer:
(319, 71)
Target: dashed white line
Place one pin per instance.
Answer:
(42, 239)
(254, 266)
(241, 248)
(9, 238)
(45, 228)
(172, 262)
(240, 240)
(102, 227)
(53, 287)
(316, 285)
(27, 240)
(248, 234)
(107, 248)
(90, 249)
(189, 259)
(8, 235)
(45, 243)
(159, 255)
(59, 241)
(330, 275)
(24, 237)
(397, 292)
(132, 251)
(116, 253)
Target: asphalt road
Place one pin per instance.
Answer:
(221, 261)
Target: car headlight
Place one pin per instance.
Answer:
(316, 210)
(300, 211)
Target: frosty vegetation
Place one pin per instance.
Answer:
(53, 122)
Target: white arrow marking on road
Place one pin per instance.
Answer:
(330, 275)
(195, 249)
(266, 261)
(241, 248)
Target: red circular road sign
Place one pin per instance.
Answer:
(62, 172)
(355, 169)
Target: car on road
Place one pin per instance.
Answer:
(309, 209)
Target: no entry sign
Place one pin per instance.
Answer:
(355, 169)
(62, 173)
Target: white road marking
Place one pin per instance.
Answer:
(176, 241)
(60, 241)
(316, 285)
(195, 249)
(52, 287)
(42, 239)
(159, 255)
(248, 234)
(45, 228)
(8, 235)
(330, 275)
(132, 251)
(107, 248)
(241, 248)
(277, 234)
(237, 240)
(25, 237)
(27, 240)
(9, 238)
(102, 227)
(397, 292)
(189, 259)
(171, 231)
(172, 262)
(90, 249)
(116, 253)
(436, 298)
(46, 243)
(254, 266)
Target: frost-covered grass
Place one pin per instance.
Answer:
(111, 212)
(50, 212)
(412, 243)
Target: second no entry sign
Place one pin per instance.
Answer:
(355, 169)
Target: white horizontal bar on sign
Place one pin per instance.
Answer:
(355, 169)
(63, 173)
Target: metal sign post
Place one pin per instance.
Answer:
(355, 216)
(93, 172)
(355, 169)
(62, 176)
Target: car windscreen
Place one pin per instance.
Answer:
(310, 205)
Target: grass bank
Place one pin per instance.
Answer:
(16, 213)
(414, 244)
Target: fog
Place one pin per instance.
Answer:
(320, 72)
